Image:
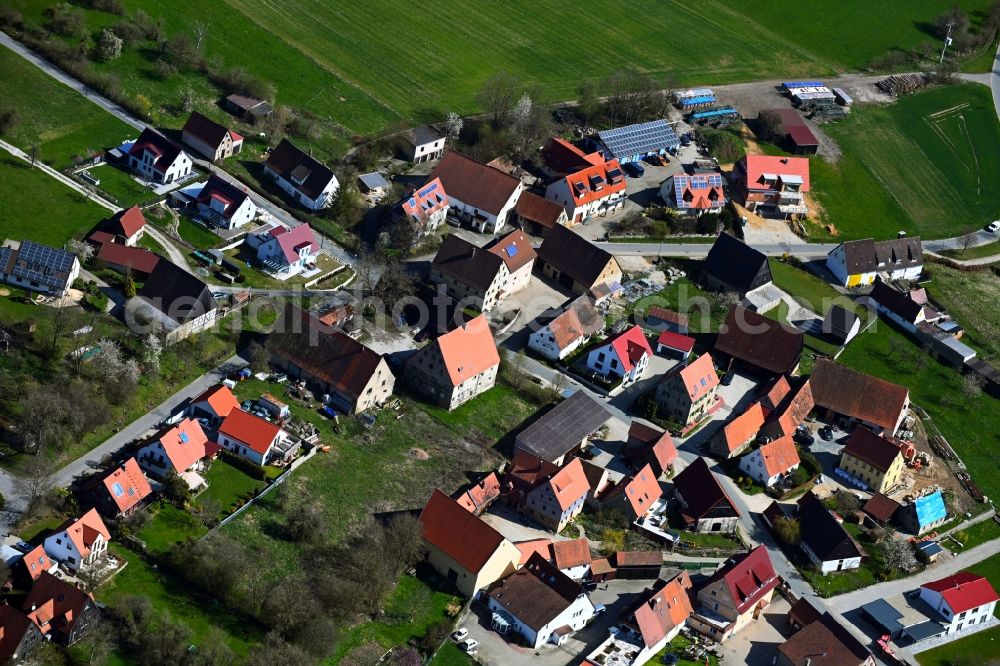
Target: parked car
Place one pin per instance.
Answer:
(634, 169)
(657, 160)
(826, 433)
(459, 636)
(803, 437)
(599, 608)
(727, 379)
(993, 227)
(470, 645)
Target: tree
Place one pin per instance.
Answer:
(200, 31)
(521, 113)
(259, 357)
(306, 523)
(955, 19)
(629, 96)
(180, 50)
(897, 554)
(588, 105)
(83, 250)
(289, 604)
(109, 46)
(768, 125)
(847, 502)
(453, 124)
(176, 489)
(972, 385)
(187, 100)
(67, 20)
(129, 288)
(33, 484)
(152, 350)
(131, 371)
(143, 105)
(787, 530)
(496, 97)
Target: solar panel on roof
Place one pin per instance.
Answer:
(512, 250)
(117, 490)
(427, 190)
(624, 142)
(184, 438)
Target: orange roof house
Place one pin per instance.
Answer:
(660, 615)
(549, 494)
(177, 448)
(738, 433)
(457, 366)
(651, 446)
(59, 609)
(635, 496)
(214, 403)
(249, 436)
(479, 496)
(772, 461)
(588, 185)
(35, 562)
(570, 554)
(123, 490)
(77, 543)
(625, 354)
(462, 547)
(688, 393)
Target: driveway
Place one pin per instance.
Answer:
(531, 302)
(756, 644)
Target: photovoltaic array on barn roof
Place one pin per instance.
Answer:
(651, 137)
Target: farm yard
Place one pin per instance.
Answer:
(923, 165)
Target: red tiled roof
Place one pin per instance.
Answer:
(298, 237)
(880, 507)
(757, 165)
(129, 221)
(514, 249)
(779, 456)
(572, 553)
(36, 561)
(630, 345)
(569, 484)
(638, 558)
(183, 444)
(666, 608)
(138, 259)
(964, 591)
(566, 328)
(699, 376)
(855, 394)
(478, 496)
(795, 408)
(473, 183)
(538, 209)
(84, 530)
(776, 392)
(749, 577)
(528, 548)
(663, 314)
(527, 470)
(824, 642)
(673, 340)
(127, 485)
(56, 603)
(255, 432)
(100, 237)
(220, 399)
(642, 491)
(468, 350)
(426, 200)
(563, 157)
(464, 537)
(593, 183)
(744, 427)
(873, 449)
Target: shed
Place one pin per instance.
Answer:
(373, 183)
(273, 406)
(881, 614)
(929, 550)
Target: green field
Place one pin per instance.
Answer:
(926, 165)
(978, 252)
(35, 206)
(973, 299)
(58, 119)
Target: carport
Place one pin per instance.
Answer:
(884, 617)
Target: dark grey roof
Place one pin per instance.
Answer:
(467, 263)
(736, 264)
(884, 615)
(563, 428)
(822, 533)
(295, 166)
(868, 256)
(930, 548)
(574, 255)
(374, 181)
(177, 293)
(46, 265)
(624, 142)
(838, 323)
(418, 136)
(896, 301)
(924, 630)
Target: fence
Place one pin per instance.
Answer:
(278, 481)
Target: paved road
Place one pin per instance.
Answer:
(700, 250)
(991, 79)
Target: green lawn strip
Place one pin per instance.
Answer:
(36, 531)
(147, 241)
(978, 252)
(410, 611)
(676, 647)
(990, 568)
(971, 537)
(983, 63)
(35, 206)
(838, 582)
(971, 425)
(168, 526)
(807, 288)
(779, 313)
(226, 485)
(972, 298)
(703, 307)
(978, 648)
(183, 602)
(121, 188)
(451, 655)
(58, 119)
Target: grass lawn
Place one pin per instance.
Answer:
(35, 206)
(120, 187)
(37, 530)
(684, 296)
(61, 121)
(971, 425)
(975, 535)
(838, 582)
(983, 63)
(976, 649)
(168, 526)
(779, 313)
(978, 252)
(409, 612)
(806, 287)
(973, 299)
(677, 647)
(451, 655)
(918, 165)
(990, 568)
(183, 603)
(226, 484)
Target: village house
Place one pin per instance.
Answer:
(764, 346)
(354, 376)
(79, 544)
(771, 462)
(126, 226)
(304, 178)
(252, 437)
(157, 159)
(624, 355)
(880, 508)
(540, 603)
(469, 553)
(213, 404)
(732, 265)
(122, 492)
(224, 205)
(285, 253)
(29, 568)
(61, 611)
(479, 496)
(179, 449)
(771, 186)
(872, 461)
(137, 261)
(857, 263)
(246, 107)
(823, 539)
(648, 625)
(688, 393)
(695, 194)
(823, 636)
(848, 397)
(962, 600)
(38, 267)
(704, 504)
(572, 557)
(483, 277)
(18, 635)
(551, 495)
(173, 303)
(595, 187)
(478, 194)
(572, 261)
(735, 595)
(923, 514)
(788, 407)
(457, 366)
(425, 143)
(567, 329)
(735, 436)
(563, 430)
(425, 209)
(647, 445)
(634, 496)
(900, 308)
(537, 215)
(210, 139)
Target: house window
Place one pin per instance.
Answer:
(71, 559)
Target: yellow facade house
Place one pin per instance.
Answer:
(873, 459)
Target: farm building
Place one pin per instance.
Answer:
(732, 265)
(792, 132)
(425, 144)
(634, 142)
(477, 193)
(246, 107)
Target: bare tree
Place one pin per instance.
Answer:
(497, 97)
(152, 350)
(967, 241)
(33, 484)
(200, 31)
(173, 225)
(972, 385)
(83, 250)
(453, 124)
(897, 554)
(61, 322)
(787, 530)
(629, 96)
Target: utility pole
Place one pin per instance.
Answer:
(947, 39)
